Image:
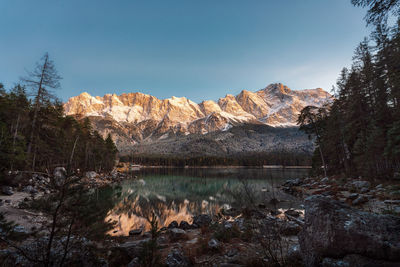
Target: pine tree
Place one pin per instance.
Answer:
(42, 79)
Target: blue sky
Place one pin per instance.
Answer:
(201, 49)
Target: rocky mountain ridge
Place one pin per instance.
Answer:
(137, 118)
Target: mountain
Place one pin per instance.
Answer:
(137, 119)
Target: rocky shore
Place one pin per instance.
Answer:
(343, 223)
(383, 198)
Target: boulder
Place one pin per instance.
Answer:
(232, 256)
(325, 180)
(60, 174)
(30, 189)
(132, 248)
(353, 196)
(293, 182)
(134, 263)
(91, 175)
(7, 190)
(213, 244)
(176, 234)
(136, 231)
(360, 200)
(294, 254)
(335, 230)
(20, 229)
(173, 224)
(356, 261)
(184, 225)
(364, 190)
(176, 258)
(361, 184)
(290, 228)
(292, 212)
(202, 220)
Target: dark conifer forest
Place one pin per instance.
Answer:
(35, 135)
(359, 133)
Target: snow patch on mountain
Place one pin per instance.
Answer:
(145, 117)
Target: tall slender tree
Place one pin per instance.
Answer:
(41, 80)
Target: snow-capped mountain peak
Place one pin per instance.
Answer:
(146, 115)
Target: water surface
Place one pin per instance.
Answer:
(178, 194)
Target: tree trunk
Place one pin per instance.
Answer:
(14, 138)
(37, 106)
(319, 145)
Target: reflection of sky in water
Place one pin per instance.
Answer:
(178, 194)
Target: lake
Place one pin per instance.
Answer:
(178, 194)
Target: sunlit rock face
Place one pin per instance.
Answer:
(135, 117)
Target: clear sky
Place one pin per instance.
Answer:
(201, 49)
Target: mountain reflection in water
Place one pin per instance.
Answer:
(178, 194)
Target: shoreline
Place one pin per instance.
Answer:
(277, 167)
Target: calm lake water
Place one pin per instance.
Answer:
(178, 194)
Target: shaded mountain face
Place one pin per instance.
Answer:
(138, 119)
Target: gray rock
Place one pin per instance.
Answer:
(294, 254)
(134, 263)
(232, 253)
(176, 258)
(290, 228)
(30, 189)
(364, 190)
(136, 231)
(232, 257)
(335, 230)
(353, 196)
(228, 225)
(176, 234)
(60, 174)
(91, 174)
(20, 229)
(184, 225)
(293, 182)
(7, 190)
(173, 224)
(379, 186)
(132, 248)
(325, 180)
(292, 212)
(356, 261)
(329, 262)
(392, 201)
(360, 200)
(213, 244)
(361, 184)
(202, 220)
(396, 209)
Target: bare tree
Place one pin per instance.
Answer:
(41, 80)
